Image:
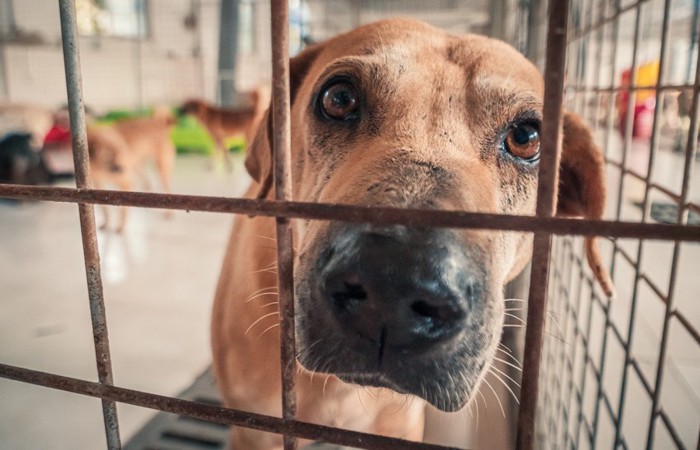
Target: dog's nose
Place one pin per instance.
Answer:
(401, 290)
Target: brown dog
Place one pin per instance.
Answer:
(119, 153)
(408, 314)
(224, 123)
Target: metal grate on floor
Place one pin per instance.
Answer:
(168, 431)
(664, 212)
(172, 432)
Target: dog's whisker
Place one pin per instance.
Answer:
(270, 270)
(476, 407)
(262, 294)
(515, 397)
(268, 329)
(495, 395)
(269, 304)
(505, 347)
(511, 357)
(496, 358)
(264, 289)
(556, 324)
(515, 317)
(265, 237)
(261, 318)
(505, 375)
(486, 406)
(515, 300)
(325, 382)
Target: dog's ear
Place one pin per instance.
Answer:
(582, 187)
(258, 160)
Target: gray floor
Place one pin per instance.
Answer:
(159, 279)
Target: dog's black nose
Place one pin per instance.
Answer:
(400, 289)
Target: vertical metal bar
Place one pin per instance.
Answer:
(71, 59)
(586, 339)
(576, 330)
(688, 169)
(653, 144)
(546, 191)
(281, 138)
(606, 307)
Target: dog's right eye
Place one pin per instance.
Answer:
(338, 101)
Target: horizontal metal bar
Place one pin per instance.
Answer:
(688, 326)
(600, 89)
(361, 214)
(212, 413)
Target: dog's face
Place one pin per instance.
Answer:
(400, 114)
(193, 107)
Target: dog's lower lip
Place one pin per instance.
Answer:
(370, 379)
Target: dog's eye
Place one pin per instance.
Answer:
(523, 141)
(339, 101)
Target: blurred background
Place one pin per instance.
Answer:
(141, 56)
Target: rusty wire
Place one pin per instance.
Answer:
(76, 109)
(546, 206)
(543, 225)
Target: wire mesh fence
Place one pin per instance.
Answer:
(596, 377)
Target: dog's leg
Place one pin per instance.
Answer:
(97, 183)
(164, 163)
(221, 146)
(124, 184)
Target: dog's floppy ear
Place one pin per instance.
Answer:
(582, 188)
(258, 160)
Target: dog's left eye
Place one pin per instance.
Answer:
(523, 142)
(339, 101)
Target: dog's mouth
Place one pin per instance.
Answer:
(447, 380)
(398, 309)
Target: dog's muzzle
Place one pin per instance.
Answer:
(395, 307)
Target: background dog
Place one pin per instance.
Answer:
(388, 317)
(222, 123)
(119, 153)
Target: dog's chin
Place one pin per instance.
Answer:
(448, 390)
(451, 401)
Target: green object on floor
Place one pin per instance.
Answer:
(188, 135)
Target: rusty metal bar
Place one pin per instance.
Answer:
(358, 214)
(281, 144)
(653, 146)
(688, 172)
(81, 160)
(212, 413)
(546, 198)
(606, 306)
(632, 87)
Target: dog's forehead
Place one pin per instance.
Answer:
(415, 47)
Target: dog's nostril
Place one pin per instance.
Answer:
(349, 295)
(438, 313)
(428, 311)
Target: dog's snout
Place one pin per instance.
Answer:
(400, 290)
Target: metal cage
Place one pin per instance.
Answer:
(565, 399)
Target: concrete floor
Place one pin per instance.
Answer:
(159, 279)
